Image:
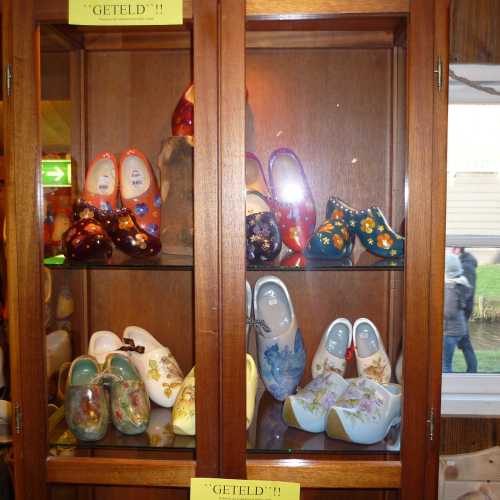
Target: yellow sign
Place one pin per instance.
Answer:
(236, 489)
(125, 12)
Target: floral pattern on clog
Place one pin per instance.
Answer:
(86, 411)
(376, 367)
(263, 237)
(184, 410)
(332, 240)
(321, 393)
(129, 406)
(167, 372)
(281, 366)
(86, 240)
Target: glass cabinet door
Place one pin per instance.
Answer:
(116, 200)
(324, 158)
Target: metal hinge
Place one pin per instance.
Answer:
(430, 425)
(439, 74)
(8, 79)
(18, 413)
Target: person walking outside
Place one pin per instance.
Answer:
(469, 265)
(456, 293)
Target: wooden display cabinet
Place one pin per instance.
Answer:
(350, 86)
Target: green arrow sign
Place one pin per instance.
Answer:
(56, 173)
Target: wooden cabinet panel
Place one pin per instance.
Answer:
(475, 31)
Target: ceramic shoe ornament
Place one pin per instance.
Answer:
(251, 388)
(139, 190)
(293, 202)
(101, 182)
(103, 343)
(307, 410)
(86, 240)
(184, 411)
(331, 353)
(365, 412)
(371, 359)
(129, 401)
(157, 366)
(85, 403)
(183, 117)
(371, 226)
(122, 227)
(332, 240)
(262, 231)
(160, 431)
(281, 352)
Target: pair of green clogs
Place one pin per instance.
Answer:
(87, 403)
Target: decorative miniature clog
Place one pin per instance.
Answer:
(332, 240)
(183, 117)
(129, 400)
(263, 235)
(101, 182)
(307, 410)
(254, 176)
(251, 388)
(122, 227)
(139, 190)
(281, 352)
(371, 359)
(365, 412)
(85, 403)
(157, 366)
(377, 235)
(293, 201)
(87, 240)
(184, 411)
(160, 431)
(371, 226)
(331, 352)
(103, 343)
(58, 345)
(5, 412)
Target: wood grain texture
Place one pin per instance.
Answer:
(22, 155)
(297, 8)
(64, 492)
(418, 388)
(120, 471)
(137, 40)
(232, 234)
(160, 302)
(475, 32)
(328, 474)
(206, 238)
(130, 98)
(318, 39)
(438, 236)
(465, 435)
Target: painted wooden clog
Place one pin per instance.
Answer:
(365, 412)
(281, 351)
(101, 182)
(293, 201)
(129, 401)
(331, 353)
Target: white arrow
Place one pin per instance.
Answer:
(57, 173)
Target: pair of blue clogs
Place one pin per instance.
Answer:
(334, 239)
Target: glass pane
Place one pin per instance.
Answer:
(325, 207)
(117, 183)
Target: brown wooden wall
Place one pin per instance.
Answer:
(464, 435)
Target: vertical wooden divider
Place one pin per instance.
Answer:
(418, 284)
(233, 263)
(438, 239)
(206, 237)
(27, 343)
